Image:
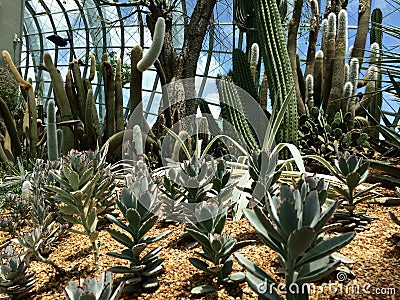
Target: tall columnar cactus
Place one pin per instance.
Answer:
(232, 111)
(313, 36)
(243, 74)
(376, 38)
(254, 60)
(31, 103)
(11, 128)
(329, 59)
(62, 102)
(140, 63)
(364, 11)
(278, 68)
(109, 92)
(119, 99)
(335, 95)
(52, 142)
(310, 91)
(318, 77)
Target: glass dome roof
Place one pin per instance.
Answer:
(75, 29)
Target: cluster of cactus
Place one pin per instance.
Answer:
(293, 225)
(139, 206)
(28, 123)
(352, 172)
(91, 288)
(218, 248)
(330, 82)
(84, 189)
(15, 281)
(266, 18)
(320, 137)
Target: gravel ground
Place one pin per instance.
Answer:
(376, 266)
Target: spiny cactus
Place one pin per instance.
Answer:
(52, 142)
(278, 68)
(335, 93)
(254, 60)
(30, 107)
(309, 91)
(155, 49)
(232, 111)
(91, 288)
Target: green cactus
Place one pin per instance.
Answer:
(376, 35)
(62, 103)
(336, 92)
(11, 128)
(52, 142)
(329, 59)
(309, 91)
(119, 99)
(243, 75)
(232, 111)
(278, 67)
(30, 107)
(109, 94)
(313, 36)
(318, 78)
(254, 61)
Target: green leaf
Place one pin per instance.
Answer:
(253, 269)
(200, 237)
(72, 219)
(147, 226)
(318, 274)
(69, 210)
(325, 248)
(121, 238)
(92, 219)
(150, 283)
(121, 269)
(73, 180)
(133, 218)
(353, 180)
(299, 241)
(287, 217)
(199, 264)
(202, 289)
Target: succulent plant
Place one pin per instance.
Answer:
(352, 172)
(262, 170)
(80, 169)
(139, 206)
(93, 289)
(17, 212)
(15, 281)
(292, 225)
(85, 188)
(217, 247)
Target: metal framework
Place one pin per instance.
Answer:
(94, 27)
